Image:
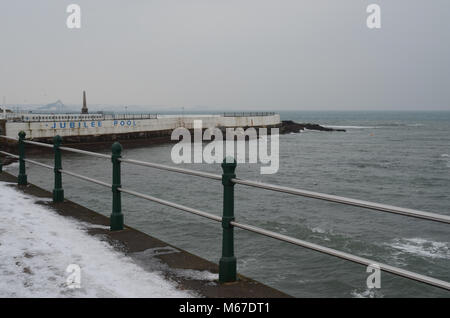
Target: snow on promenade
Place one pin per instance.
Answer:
(37, 245)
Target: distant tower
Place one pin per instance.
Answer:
(84, 110)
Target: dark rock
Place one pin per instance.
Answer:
(289, 126)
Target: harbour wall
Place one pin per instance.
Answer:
(49, 129)
(130, 131)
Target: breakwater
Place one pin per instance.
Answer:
(94, 130)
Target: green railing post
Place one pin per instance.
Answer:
(22, 179)
(227, 264)
(116, 216)
(58, 192)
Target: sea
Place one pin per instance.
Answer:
(395, 158)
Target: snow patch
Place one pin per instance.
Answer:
(197, 275)
(37, 245)
(318, 230)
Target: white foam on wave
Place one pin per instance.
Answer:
(351, 127)
(446, 158)
(373, 127)
(323, 234)
(368, 293)
(312, 130)
(318, 230)
(422, 247)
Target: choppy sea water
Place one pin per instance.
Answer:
(399, 159)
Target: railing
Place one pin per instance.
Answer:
(248, 114)
(76, 117)
(227, 263)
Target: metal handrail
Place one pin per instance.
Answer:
(332, 198)
(84, 152)
(325, 250)
(79, 176)
(247, 114)
(41, 144)
(347, 201)
(60, 117)
(310, 194)
(173, 205)
(73, 174)
(9, 154)
(299, 192)
(343, 255)
(11, 138)
(173, 169)
(27, 160)
(38, 164)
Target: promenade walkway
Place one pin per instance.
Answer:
(42, 244)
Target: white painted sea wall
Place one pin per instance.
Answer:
(46, 129)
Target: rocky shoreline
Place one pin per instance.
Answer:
(290, 126)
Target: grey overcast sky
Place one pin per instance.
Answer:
(240, 54)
